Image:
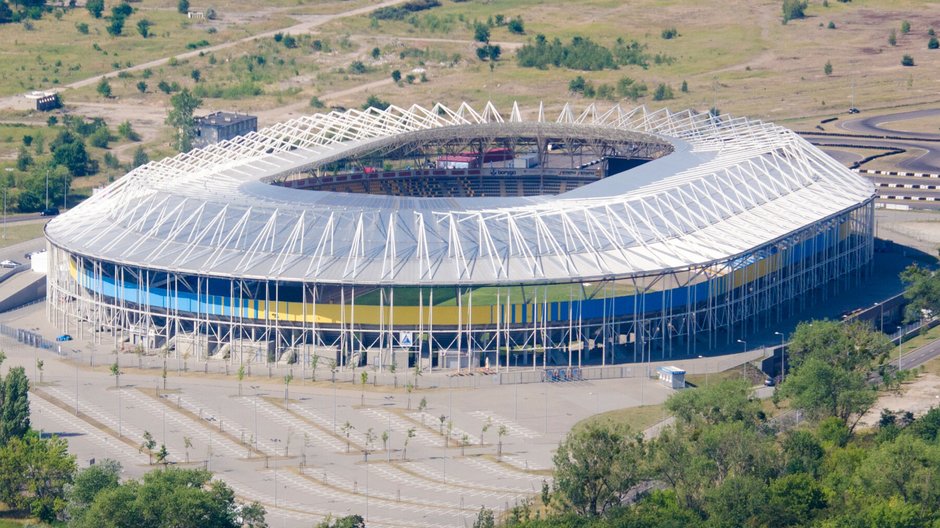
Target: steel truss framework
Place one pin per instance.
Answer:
(199, 254)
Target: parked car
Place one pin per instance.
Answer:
(50, 211)
(853, 110)
(770, 382)
(64, 337)
(9, 264)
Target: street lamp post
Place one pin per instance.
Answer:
(783, 354)
(743, 342)
(900, 338)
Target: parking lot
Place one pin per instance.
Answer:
(329, 449)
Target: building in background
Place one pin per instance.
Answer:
(222, 126)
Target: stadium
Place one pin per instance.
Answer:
(462, 237)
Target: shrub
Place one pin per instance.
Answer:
(127, 131)
(289, 42)
(685, 87)
(142, 87)
(670, 33)
(95, 7)
(832, 25)
(933, 43)
(82, 28)
(374, 102)
(100, 138)
(396, 76)
(401, 11)
(182, 7)
(827, 69)
(905, 27)
(143, 27)
(104, 88)
(907, 60)
(793, 9)
(140, 157)
(516, 26)
(630, 89)
(315, 102)
(663, 92)
(893, 38)
(357, 67)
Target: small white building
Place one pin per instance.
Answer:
(672, 377)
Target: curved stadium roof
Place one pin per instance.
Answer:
(728, 185)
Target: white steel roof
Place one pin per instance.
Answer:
(731, 184)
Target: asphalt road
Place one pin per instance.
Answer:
(928, 161)
(874, 125)
(920, 355)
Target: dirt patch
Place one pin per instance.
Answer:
(918, 397)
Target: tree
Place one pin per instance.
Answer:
(822, 390)
(187, 445)
(287, 379)
(104, 88)
(23, 160)
(241, 376)
(148, 443)
(95, 7)
(907, 60)
(726, 401)
(143, 27)
(905, 27)
(827, 69)
(685, 87)
(347, 429)
(181, 118)
(39, 366)
(116, 372)
(485, 519)
(34, 473)
(481, 32)
(32, 193)
(140, 157)
(516, 26)
(500, 433)
(893, 37)
(141, 86)
(182, 7)
(396, 75)
(14, 405)
(595, 467)
(116, 25)
(349, 521)
(408, 436)
(167, 497)
(162, 455)
(933, 43)
(87, 484)
(364, 378)
(196, 75)
(794, 500)
(252, 516)
(793, 9)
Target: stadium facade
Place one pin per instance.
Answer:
(591, 237)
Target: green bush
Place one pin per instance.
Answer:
(793, 9)
(933, 43)
(663, 92)
(907, 60)
(670, 33)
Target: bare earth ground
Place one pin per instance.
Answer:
(918, 397)
(916, 229)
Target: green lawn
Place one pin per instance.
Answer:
(636, 418)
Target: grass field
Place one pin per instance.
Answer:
(21, 232)
(636, 418)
